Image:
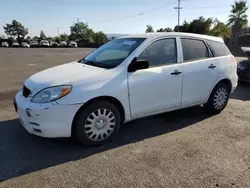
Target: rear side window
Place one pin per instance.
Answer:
(218, 49)
(194, 49)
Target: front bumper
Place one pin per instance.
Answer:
(50, 120)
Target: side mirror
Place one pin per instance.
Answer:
(138, 65)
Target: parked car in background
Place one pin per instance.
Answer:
(44, 43)
(243, 68)
(25, 45)
(34, 44)
(92, 97)
(63, 44)
(15, 45)
(54, 44)
(72, 44)
(4, 44)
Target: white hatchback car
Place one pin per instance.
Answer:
(44, 43)
(127, 78)
(72, 44)
(25, 45)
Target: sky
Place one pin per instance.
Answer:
(109, 16)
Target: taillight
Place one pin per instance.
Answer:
(233, 59)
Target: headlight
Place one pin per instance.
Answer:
(51, 94)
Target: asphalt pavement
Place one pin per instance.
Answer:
(186, 148)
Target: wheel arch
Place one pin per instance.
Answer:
(225, 81)
(112, 100)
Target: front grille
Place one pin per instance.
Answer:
(26, 91)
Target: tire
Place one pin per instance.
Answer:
(97, 130)
(218, 99)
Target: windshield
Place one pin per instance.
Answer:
(112, 53)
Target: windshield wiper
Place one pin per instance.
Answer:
(95, 63)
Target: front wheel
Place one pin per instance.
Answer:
(97, 123)
(218, 99)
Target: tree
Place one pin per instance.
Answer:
(35, 38)
(238, 14)
(149, 29)
(15, 29)
(64, 37)
(28, 38)
(100, 37)
(199, 26)
(164, 30)
(42, 35)
(220, 29)
(80, 30)
(238, 18)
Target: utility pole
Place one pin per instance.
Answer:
(178, 8)
(58, 32)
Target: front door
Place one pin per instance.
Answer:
(157, 88)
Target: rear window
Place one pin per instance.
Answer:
(218, 49)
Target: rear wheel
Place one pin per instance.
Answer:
(218, 99)
(97, 123)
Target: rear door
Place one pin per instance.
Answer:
(200, 71)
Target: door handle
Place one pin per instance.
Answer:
(212, 66)
(176, 72)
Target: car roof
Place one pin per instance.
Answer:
(174, 34)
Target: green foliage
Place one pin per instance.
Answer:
(42, 35)
(15, 29)
(220, 29)
(168, 29)
(238, 14)
(206, 26)
(57, 39)
(64, 37)
(80, 30)
(35, 38)
(200, 26)
(149, 29)
(100, 38)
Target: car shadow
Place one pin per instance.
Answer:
(242, 92)
(21, 153)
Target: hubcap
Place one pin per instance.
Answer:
(220, 98)
(100, 124)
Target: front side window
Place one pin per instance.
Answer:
(160, 52)
(194, 49)
(112, 53)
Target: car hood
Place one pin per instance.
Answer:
(69, 73)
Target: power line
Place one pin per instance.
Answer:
(137, 14)
(170, 15)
